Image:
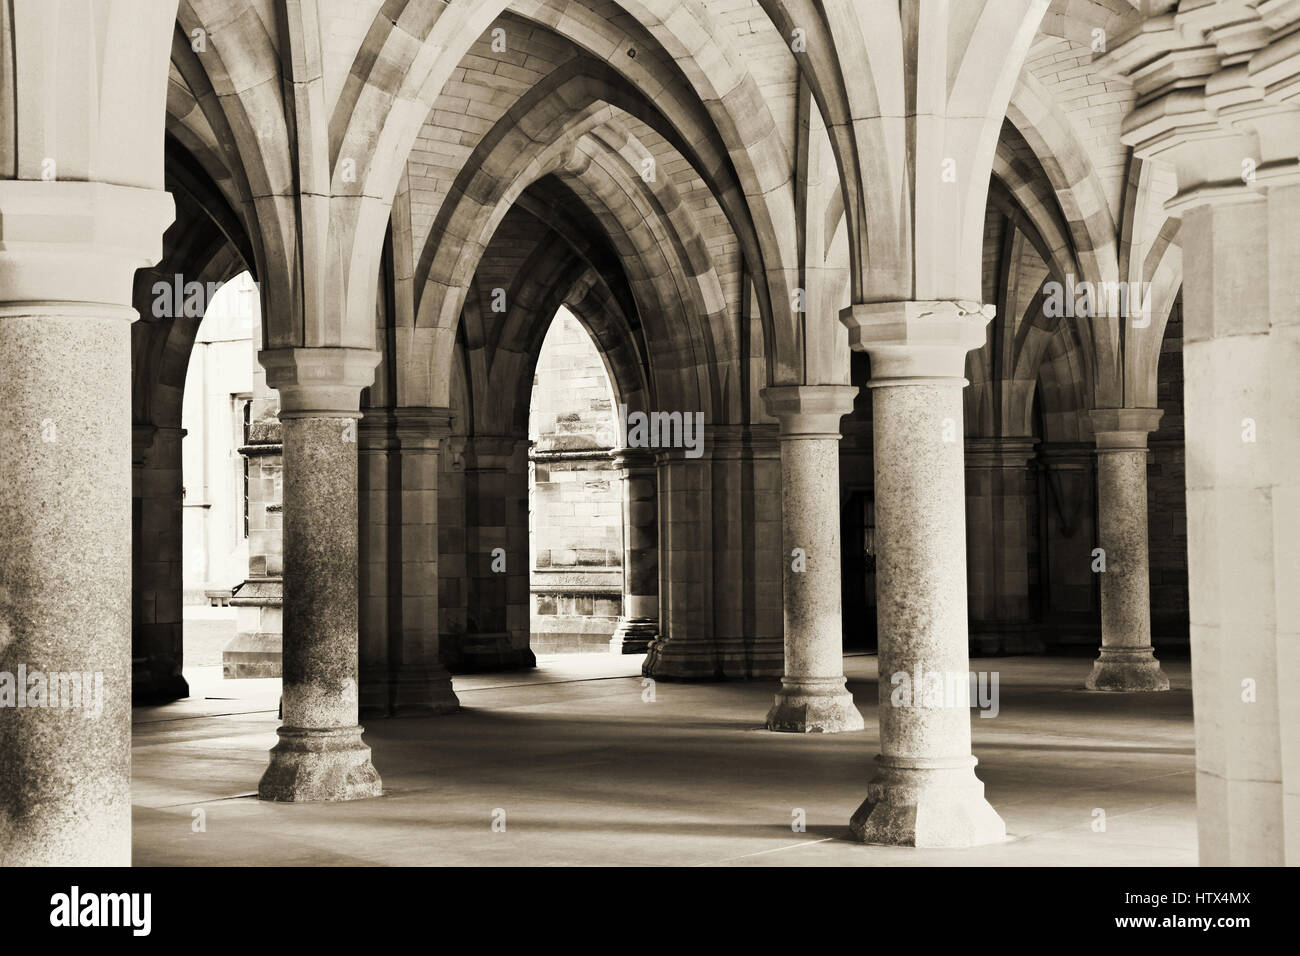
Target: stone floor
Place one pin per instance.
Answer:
(588, 772)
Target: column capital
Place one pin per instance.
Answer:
(491, 451)
(375, 430)
(732, 441)
(1124, 429)
(141, 443)
(408, 426)
(917, 342)
(323, 382)
(1000, 452)
(421, 426)
(146, 437)
(633, 459)
(66, 241)
(1216, 86)
(809, 411)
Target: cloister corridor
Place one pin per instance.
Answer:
(676, 433)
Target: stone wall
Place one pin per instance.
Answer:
(575, 503)
(219, 378)
(1066, 595)
(258, 647)
(1167, 496)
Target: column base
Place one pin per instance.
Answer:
(319, 765)
(814, 707)
(687, 659)
(1126, 669)
(425, 694)
(679, 660)
(414, 692)
(914, 801)
(633, 635)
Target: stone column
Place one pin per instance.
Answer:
(685, 648)
(496, 558)
(813, 698)
(453, 550)
(719, 559)
(68, 255)
(519, 594)
(1217, 85)
(377, 537)
(747, 562)
(639, 623)
(1243, 519)
(421, 685)
(157, 587)
(1126, 661)
(321, 755)
(997, 545)
(401, 675)
(925, 792)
